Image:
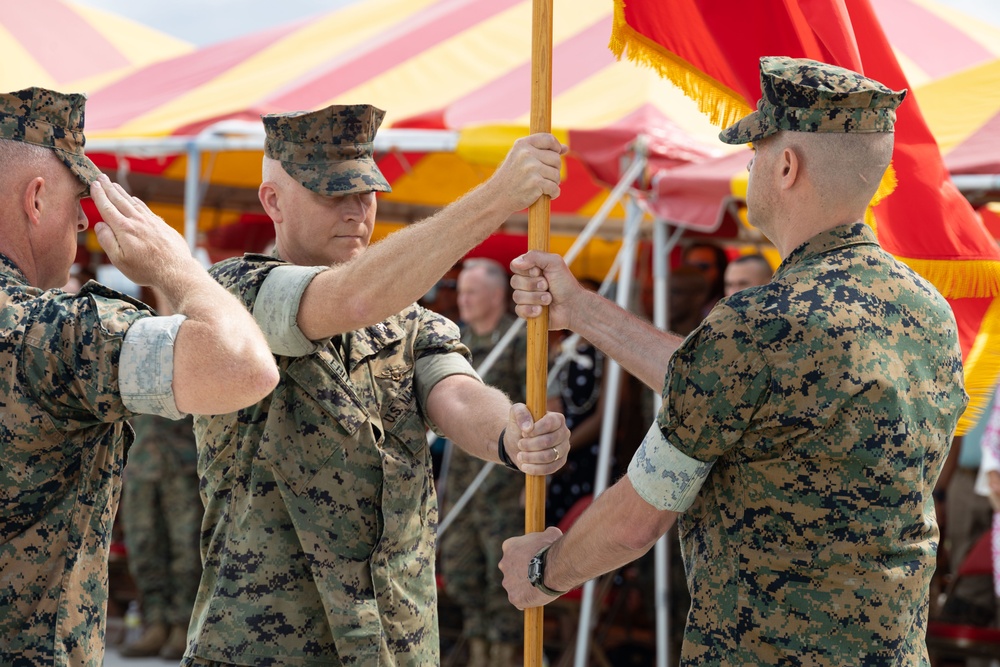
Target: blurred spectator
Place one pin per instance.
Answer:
(712, 261)
(471, 549)
(747, 271)
(578, 393)
(688, 291)
(161, 517)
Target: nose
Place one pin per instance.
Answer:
(353, 206)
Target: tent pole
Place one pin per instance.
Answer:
(609, 421)
(662, 247)
(192, 202)
(538, 328)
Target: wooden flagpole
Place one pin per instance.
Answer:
(538, 328)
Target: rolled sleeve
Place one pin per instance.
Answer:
(146, 369)
(277, 307)
(432, 369)
(664, 476)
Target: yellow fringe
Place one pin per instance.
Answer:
(959, 278)
(885, 188)
(982, 368)
(721, 104)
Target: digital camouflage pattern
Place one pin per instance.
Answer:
(50, 119)
(827, 401)
(328, 151)
(64, 440)
(801, 95)
(472, 547)
(161, 517)
(318, 540)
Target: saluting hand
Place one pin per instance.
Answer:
(137, 241)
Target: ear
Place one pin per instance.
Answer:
(790, 164)
(268, 195)
(31, 199)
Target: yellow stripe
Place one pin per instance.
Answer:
(458, 66)
(982, 368)
(20, 69)
(723, 105)
(283, 64)
(957, 106)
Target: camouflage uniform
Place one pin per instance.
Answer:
(73, 368)
(161, 514)
(472, 547)
(320, 506)
(805, 424)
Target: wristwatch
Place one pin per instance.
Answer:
(536, 574)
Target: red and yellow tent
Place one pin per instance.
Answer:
(73, 48)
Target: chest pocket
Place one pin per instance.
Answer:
(312, 418)
(401, 418)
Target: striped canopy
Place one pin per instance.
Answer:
(68, 47)
(461, 65)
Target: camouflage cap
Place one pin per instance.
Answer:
(328, 151)
(801, 95)
(50, 119)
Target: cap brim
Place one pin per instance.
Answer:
(753, 127)
(80, 165)
(343, 177)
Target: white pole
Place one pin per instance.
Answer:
(662, 248)
(609, 421)
(192, 201)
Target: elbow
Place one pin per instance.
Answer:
(258, 374)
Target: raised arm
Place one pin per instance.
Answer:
(544, 279)
(221, 361)
(400, 269)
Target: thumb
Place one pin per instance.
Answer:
(520, 420)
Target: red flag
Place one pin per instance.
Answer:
(711, 50)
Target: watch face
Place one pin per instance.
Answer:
(534, 570)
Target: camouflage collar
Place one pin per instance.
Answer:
(844, 236)
(9, 268)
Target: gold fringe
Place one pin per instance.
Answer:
(721, 104)
(959, 278)
(982, 368)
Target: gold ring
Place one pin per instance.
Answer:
(556, 450)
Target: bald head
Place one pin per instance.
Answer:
(845, 168)
(20, 162)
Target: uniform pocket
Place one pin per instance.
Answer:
(312, 416)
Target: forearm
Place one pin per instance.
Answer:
(617, 529)
(221, 361)
(640, 348)
(399, 269)
(471, 414)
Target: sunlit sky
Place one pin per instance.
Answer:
(208, 21)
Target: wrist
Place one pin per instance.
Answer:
(536, 573)
(502, 452)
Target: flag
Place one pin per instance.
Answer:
(711, 50)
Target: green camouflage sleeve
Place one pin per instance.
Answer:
(716, 381)
(439, 353)
(72, 354)
(146, 369)
(274, 303)
(277, 307)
